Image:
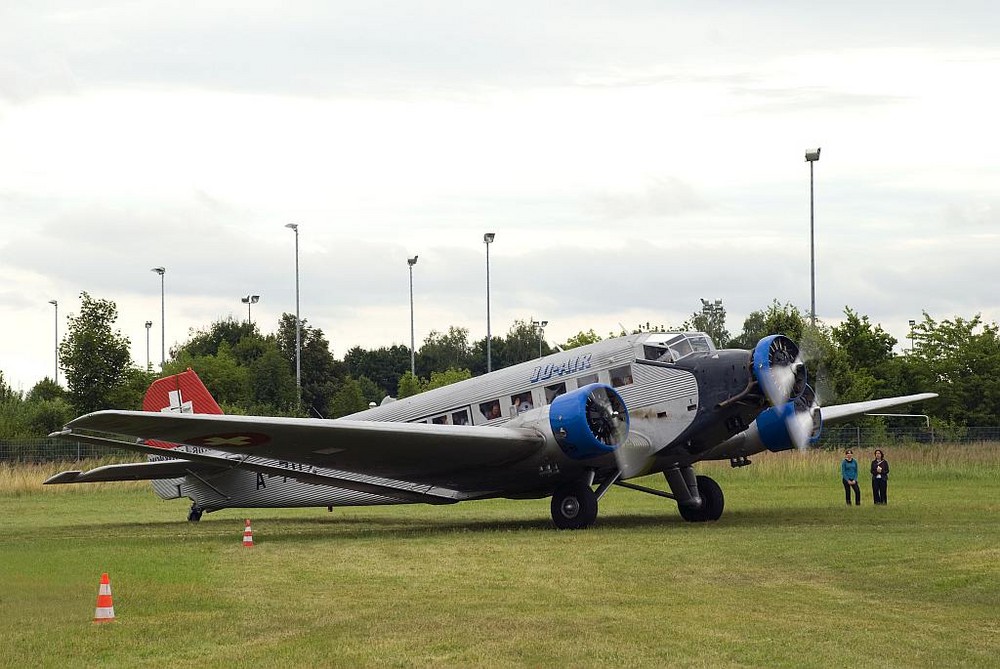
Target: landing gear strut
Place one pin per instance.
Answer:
(699, 498)
(574, 506)
(194, 515)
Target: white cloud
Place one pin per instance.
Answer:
(631, 161)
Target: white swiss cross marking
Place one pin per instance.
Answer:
(239, 440)
(176, 404)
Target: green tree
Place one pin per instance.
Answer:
(272, 385)
(441, 351)
(321, 373)
(6, 392)
(520, 345)
(225, 378)
(712, 321)
(383, 365)
(776, 319)
(581, 338)
(207, 342)
(348, 399)
(46, 389)
(446, 378)
(95, 358)
(409, 385)
(959, 359)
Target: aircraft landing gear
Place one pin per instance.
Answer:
(699, 498)
(574, 506)
(194, 515)
(712, 502)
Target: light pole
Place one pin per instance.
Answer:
(488, 239)
(163, 315)
(298, 322)
(811, 157)
(541, 333)
(413, 359)
(248, 300)
(149, 324)
(55, 303)
(913, 324)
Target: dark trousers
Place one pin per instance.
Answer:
(847, 491)
(879, 490)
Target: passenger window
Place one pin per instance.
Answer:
(621, 376)
(490, 410)
(460, 417)
(554, 391)
(440, 420)
(522, 402)
(586, 380)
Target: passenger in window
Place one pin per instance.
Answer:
(523, 402)
(490, 410)
(460, 418)
(440, 420)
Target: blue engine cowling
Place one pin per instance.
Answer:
(779, 369)
(793, 424)
(589, 422)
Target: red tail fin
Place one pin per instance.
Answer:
(180, 393)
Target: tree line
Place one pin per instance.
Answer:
(251, 372)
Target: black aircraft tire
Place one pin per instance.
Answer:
(712, 502)
(713, 499)
(574, 507)
(194, 515)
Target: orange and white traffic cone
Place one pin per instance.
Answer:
(247, 535)
(105, 611)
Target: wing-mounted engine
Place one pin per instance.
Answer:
(586, 423)
(794, 424)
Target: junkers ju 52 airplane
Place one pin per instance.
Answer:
(567, 426)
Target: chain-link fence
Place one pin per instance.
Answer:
(45, 450)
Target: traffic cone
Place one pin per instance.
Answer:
(247, 536)
(105, 611)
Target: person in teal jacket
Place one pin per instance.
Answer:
(849, 474)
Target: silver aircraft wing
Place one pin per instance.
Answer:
(837, 412)
(406, 451)
(135, 471)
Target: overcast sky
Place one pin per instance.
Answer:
(631, 157)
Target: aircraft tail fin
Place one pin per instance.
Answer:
(180, 393)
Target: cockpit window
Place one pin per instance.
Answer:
(659, 353)
(673, 346)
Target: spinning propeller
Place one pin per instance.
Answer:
(607, 417)
(794, 416)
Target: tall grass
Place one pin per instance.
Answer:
(972, 461)
(18, 479)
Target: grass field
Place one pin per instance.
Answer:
(789, 577)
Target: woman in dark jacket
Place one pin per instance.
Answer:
(880, 477)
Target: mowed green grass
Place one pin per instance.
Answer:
(789, 576)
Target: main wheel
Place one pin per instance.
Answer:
(194, 515)
(574, 507)
(712, 502)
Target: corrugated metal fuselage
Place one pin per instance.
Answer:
(677, 412)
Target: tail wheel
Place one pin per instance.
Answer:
(712, 502)
(574, 507)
